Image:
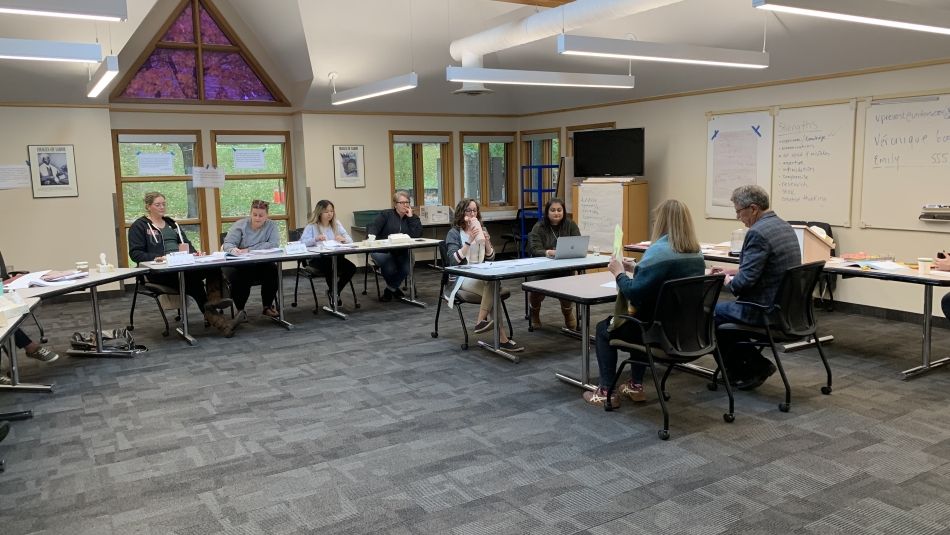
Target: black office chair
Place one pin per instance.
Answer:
(462, 296)
(789, 318)
(827, 281)
(682, 330)
(515, 236)
(154, 291)
(4, 275)
(309, 272)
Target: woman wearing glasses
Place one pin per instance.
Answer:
(250, 234)
(324, 226)
(154, 235)
(469, 243)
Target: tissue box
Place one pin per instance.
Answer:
(11, 308)
(180, 259)
(295, 247)
(399, 238)
(434, 214)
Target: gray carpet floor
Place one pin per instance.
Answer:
(370, 425)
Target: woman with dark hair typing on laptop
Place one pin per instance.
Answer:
(469, 243)
(674, 254)
(542, 241)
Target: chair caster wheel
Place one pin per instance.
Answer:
(434, 334)
(364, 292)
(826, 390)
(127, 327)
(663, 434)
(729, 417)
(464, 346)
(666, 397)
(357, 305)
(177, 318)
(294, 305)
(530, 329)
(783, 407)
(712, 387)
(165, 333)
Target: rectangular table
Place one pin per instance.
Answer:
(91, 283)
(6, 339)
(585, 290)
(913, 277)
(276, 258)
(367, 248)
(518, 268)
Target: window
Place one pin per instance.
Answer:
(540, 147)
(256, 166)
(197, 58)
(585, 128)
(421, 166)
(158, 161)
(486, 167)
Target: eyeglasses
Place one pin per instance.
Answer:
(402, 202)
(471, 210)
(260, 204)
(158, 204)
(739, 210)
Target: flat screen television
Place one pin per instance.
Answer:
(617, 152)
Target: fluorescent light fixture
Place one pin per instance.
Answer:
(107, 70)
(108, 10)
(575, 45)
(50, 50)
(375, 89)
(879, 12)
(518, 77)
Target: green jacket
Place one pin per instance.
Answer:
(543, 237)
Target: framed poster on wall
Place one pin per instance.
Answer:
(53, 171)
(349, 170)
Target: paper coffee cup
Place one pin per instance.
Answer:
(924, 265)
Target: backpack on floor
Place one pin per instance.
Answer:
(120, 339)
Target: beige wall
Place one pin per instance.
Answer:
(55, 233)
(676, 163)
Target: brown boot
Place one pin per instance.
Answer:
(534, 309)
(570, 320)
(216, 289)
(219, 322)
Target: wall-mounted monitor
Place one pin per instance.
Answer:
(616, 152)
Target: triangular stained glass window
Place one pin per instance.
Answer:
(170, 72)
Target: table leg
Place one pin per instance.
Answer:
(15, 374)
(584, 382)
(100, 351)
(183, 328)
(334, 291)
(925, 364)
(496, 332)
(412, 284)
(280, 299)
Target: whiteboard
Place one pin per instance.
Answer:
(739, 152)
(813, 163)
(906, 161)
(601, 209)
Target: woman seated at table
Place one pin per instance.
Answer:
(154, 235)
(542, 241)
(674, 254)
(250, 234)
(324, 226)
(469, 243)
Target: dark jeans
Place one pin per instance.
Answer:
(21, 339)
(194, 283)
(607, 356)
(394, 266)
(741, 359)
(242, 278)
(345, 270)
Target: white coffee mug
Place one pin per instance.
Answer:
(924, 265)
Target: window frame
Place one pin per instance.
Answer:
(287, 177)
(119, 215)
(547, 157)
(511, 180)
(418, 171)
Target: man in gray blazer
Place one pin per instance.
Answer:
(769, 249)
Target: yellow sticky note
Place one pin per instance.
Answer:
(618, 242)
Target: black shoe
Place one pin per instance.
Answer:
(755, 381)
(398, 294)
(387, 296)
(339, 302)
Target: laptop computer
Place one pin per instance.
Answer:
(571, 247)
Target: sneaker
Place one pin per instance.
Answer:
(5, 380)
(387, 296)
(633, 391)
(511, 346)
(484, 325)
(339, 302)
(44, 354)
(241, 316)
(599, 396)
(271, 312)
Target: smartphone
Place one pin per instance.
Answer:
(941, 255)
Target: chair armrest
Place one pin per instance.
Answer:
(764, 308)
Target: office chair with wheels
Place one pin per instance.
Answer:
(682, 330)
(462, 296)
(309, 272)
(789, 318)
(827, 281)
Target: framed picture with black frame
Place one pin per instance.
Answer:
(53, 171)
